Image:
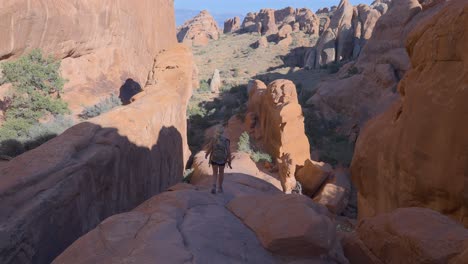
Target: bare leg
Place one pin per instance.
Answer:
(221, 179)
(215, 177)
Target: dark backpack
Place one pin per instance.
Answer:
(219, 152)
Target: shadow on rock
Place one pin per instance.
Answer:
(52, 195)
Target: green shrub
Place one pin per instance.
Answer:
(13, 143)
(244, 143)
(195, 110)
(102, 107)
(37, 85)
(187, 175)
(204, 86)
(259, 156)
(244, 146)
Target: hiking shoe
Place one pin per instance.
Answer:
(213, 190)
(220, 190)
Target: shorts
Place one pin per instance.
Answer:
(218, 164)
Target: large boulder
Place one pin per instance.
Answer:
(415, 154)
(335, 193)
(364, 20)
(312, 176)
(267, 19)
(249, 24)
(285, 16)
(199, 30)
(308, 21)
(336, 42)
(325, 50)
(57, 192)
(232, 25)
(102, 44)
(413, 235)
(279, 127)
(306, 230)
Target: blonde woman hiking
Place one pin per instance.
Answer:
(219, 154)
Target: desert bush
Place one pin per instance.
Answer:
(195, 109)
(204, 86)
(35, 135)
(244, 146)
(244, 143)
(37, 85)
(40, 133)
(260, 156)
(105, 105)
(187, 175)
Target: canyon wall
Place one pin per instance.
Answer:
(416, 153)
(57, 192)
(103, 44)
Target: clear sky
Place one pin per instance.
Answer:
(245, 6)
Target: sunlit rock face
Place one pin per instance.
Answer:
(103, 44)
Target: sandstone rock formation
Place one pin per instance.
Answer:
(308, 21)
(285, 16)
(199, 30)
(215, 83)
(311, 233)
(267, 21)
(279, 126)
(175, 227)
(262, 42)
(195, 78)
(189, 223)
(324, 10)
(364, 20)
(101, 43)
(312, 176)
(266, 18)
(249, 23)
(335, 193)
(345, 34)
(285, 31)
(413, 235)
(232, 25)
(367, 87)
(415, 154)
(57, 192)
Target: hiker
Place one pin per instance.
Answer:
(220, 154)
